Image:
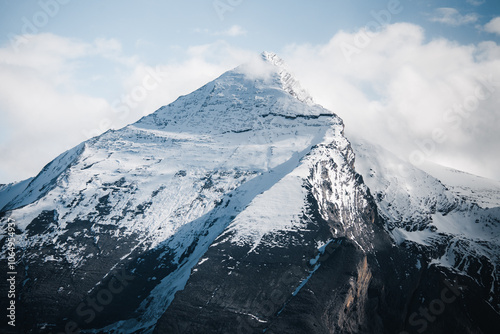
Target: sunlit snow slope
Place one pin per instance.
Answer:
(243, 208)
(170, 184)
(453, 215)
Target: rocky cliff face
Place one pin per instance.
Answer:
(242, 208)
(259, 274)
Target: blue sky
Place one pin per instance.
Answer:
(155, 30)
(66, 67)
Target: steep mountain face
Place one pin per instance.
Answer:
(239, 209)
(451, 220)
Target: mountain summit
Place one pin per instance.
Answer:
(242, 208)
(288, 81)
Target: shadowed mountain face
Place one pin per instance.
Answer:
(242, 208)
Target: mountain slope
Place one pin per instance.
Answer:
(242, 207)
(161, 186)
(451, 216)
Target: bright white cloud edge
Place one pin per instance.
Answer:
(396, 90)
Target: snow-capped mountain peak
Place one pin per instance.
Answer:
(289, 83)
(243, 208)
(171, 183)
(238, 101)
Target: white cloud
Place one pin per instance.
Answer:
(452, 17)
(40, 117)
(47, 54)
(232, 31)
(397, 90)
(476, 2)
(493, 26)
(401, 91)
(45, 112)
(202, 63)
(235, 30)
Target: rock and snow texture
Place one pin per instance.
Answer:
(254, 275)
(241, 194)
(27, 191)
(455, 216)
(484, 192)
(171, 183)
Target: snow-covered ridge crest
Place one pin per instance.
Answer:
(288, 81)
(454, 217)
(239, 100)
(269, 66)
(35, 188)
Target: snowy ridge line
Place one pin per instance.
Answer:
(288, 81)
(479, 190)
(248, 164)
(230, 206)
(241, 231)
(429, 211)
(215, 222)
(10, 191)
(45, 180)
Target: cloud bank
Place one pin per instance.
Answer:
(45, 109)
(435, 100)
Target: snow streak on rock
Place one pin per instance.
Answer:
(453, 215)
